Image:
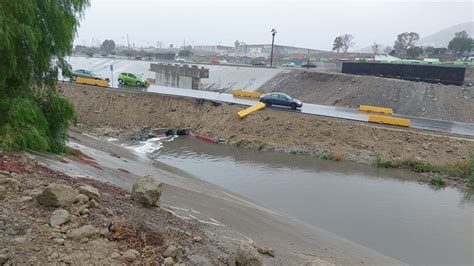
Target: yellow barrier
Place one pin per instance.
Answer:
(250, 94)
(251, 109)
(375, 109)
(93, 82)
(389, 120)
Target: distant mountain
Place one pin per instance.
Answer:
(442, 38)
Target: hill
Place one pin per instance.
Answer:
(442, 38)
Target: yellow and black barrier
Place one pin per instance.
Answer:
(251, 109)
(375, 109)
(249, 94)
(93, 82)
(389, 120)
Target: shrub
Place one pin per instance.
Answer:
(437, 181)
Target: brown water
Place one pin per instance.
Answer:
(379, 208)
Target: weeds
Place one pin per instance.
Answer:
(293, 152)
(261, 146)
(326, 156)
(437, 181)
(238, 143)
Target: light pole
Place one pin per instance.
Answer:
(273, 31)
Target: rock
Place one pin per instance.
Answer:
(317, 262)
(59, 241)
(147, 191)
(247, 255)
(115, 255)
(53, 256)
(59, 217)
(265, 250)
(25, 199)
(3, 259)
(130, 255)
(174, 252)
(93, 203)
(197, 239)
(86, 231)
(2, 192)
(57, 195)
(168, 261)
(91, 192)
(10, 182)
(231, 260)
(81, 198)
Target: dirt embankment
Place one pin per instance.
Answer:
(445, 102)
(263, 130)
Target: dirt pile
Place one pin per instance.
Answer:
(118, 113)
(445, 102)
(100, 225)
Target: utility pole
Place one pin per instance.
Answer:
(273, 31)
(128, 42)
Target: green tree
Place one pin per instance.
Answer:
(35, 37)
(338, 44)
(236, 44)
(404, 41)
(347, 42)
(107, 46)
(185, 53)
(429, 50)
(460, 43)
(414, 52)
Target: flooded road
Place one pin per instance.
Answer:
(379, 208)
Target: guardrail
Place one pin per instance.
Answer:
(389, 120)
(248, 94)
(93, 82)
(376, 109)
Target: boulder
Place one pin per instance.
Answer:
(173, 252)
(168, 261)
(57, 195)
(130, 255)
(59, 217)
(147, 191)
(90, 191)
(317, 262)
(81, 198)
(86, 231)
(247, 255)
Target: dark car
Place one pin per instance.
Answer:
(308, 66)
(86, 74)
(259, 63)
(278, 98)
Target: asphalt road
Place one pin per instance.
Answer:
(466, 129)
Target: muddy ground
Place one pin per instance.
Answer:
(420, 99)
(121, 224)
(118, 113)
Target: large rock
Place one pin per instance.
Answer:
(147, 191)
(10, 182)
(247, 255)
(57, 195)
(130, 255)
(59, 217)
(173, 252)
(90, 191)
(317, 262)
(87, 231)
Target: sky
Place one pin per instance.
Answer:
(310, 24)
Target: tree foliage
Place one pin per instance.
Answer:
(107, 46)
(375, 48)
(404, 41)
(338, 44)
(347, 42)
(414, 51)
(461, 43)
(185, 53)
(35, 37)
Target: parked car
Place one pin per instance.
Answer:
(306, 65)
(289, 64)
(179, 59)
(86, 74)
(132, 79)
(259, 63)
(215, 62)
(277, 98)
(223, 62)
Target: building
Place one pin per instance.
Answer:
(218, 49)
(264, 50)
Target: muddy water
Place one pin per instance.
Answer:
(379, 208)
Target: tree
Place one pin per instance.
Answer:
(375, 48)
(347, 42)
(107, 46)
(429, 50)
(185, 53)
(338, 44)
(414, 51)
(388, 50)
(35, 38)
(460, 43)
(404, 41)
(236, 44)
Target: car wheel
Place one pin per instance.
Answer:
(268, 103)
(120, 81)
(139, 84)
(293, 106)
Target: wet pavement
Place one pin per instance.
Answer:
(383, 209)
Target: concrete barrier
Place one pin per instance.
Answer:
(93, 82)
(249, 94)
(375, 109)
(389, 120)
(251, 109)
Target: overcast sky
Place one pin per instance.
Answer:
(311, 24)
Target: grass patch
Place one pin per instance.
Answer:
(261, 146)
(326, 156)
(437, 181)
(294, 152)
(238, 143)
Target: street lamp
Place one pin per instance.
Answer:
(273, 31)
